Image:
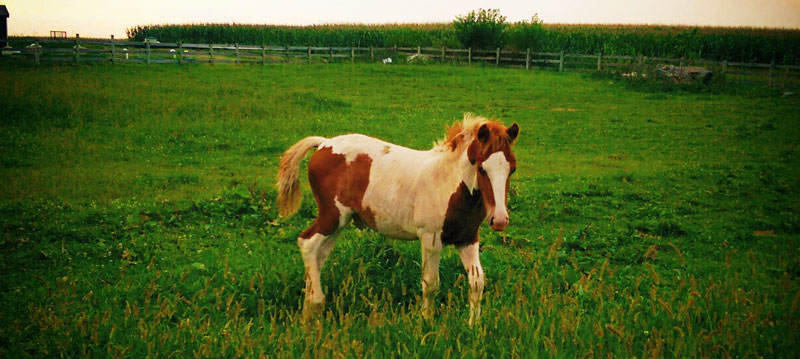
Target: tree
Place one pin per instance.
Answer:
(482, 29)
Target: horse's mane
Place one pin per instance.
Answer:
(461, 133)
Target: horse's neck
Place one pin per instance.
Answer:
(456, 168)
(468, 173)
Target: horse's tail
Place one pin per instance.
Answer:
(289, 196)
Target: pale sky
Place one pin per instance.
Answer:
(101, 18)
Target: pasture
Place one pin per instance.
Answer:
(138, 216)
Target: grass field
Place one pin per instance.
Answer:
(138, 217)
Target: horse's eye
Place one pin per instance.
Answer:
(481, 170)
(512, 171)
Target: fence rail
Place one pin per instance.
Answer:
(79, 50)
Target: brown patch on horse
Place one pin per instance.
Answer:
(324, 169)
(465, 213)
(332, 178)
(485, 188)
(354, 184)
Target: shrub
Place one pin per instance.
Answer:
(482, 29)
(526, 35)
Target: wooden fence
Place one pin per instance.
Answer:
(79, 50)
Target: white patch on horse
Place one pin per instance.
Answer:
(353, 145)
(344, 212)
(314, 251)
(471, 178)
(497, 169)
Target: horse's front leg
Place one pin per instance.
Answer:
(470, 257)
(431, 251)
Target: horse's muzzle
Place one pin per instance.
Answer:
(498, 224)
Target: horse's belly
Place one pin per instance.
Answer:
(395, 232)
(391, 202)
(391, 218)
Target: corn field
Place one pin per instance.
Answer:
(740, 44)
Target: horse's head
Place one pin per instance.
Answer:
(494, 162)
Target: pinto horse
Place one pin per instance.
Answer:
(440, 196)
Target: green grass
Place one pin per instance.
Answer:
(138, 216)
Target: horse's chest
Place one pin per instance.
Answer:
(465, 213)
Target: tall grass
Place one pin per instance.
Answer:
(715, 43)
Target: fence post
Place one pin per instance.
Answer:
(113, 51)
(419, 50)
(394, 52)
(528, 59)
(211, 54)
(469, 56)
(599, 61)
(561, 61)
(147, 46)
(642, 59)
(785, 75)
(683, 60)
(77, 48)
(443, 54)
(352, 55)
(237, 53)
(724, 67)
(36, 52)
(330, 53)
(497, 58)
(263, 55)
(371, 53)
(287, 53)
(180, 52)
(771, 71)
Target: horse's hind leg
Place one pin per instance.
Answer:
(315, 244)
(311, 250)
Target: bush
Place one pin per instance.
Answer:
(526, 35)
(481, 30)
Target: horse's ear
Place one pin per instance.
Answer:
(513, 132)
(484, 133)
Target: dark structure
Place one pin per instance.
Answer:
(3, 26)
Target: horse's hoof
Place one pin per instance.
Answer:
(312, 310)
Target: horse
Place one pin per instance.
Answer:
(440, 197)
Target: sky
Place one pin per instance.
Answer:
(101, 18)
